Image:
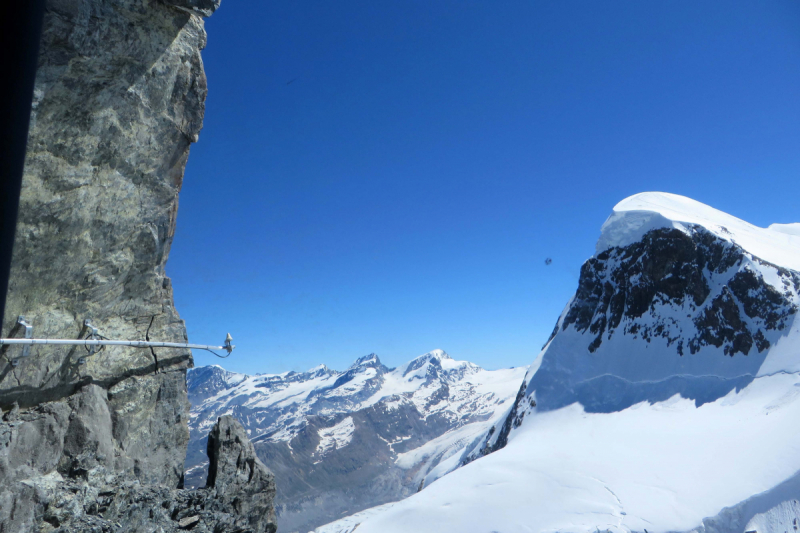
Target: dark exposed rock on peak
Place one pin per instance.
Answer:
(669, 266)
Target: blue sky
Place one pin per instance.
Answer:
(390, 176)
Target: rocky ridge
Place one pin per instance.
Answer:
(119, 98)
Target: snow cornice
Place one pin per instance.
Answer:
(636, 215)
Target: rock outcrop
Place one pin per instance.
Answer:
(118, 100)
(238, 477)
(95, 499)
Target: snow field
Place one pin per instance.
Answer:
(335, 437)
(663, 467)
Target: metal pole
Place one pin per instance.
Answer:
(94, 339)
(93, 342)
(100, 342)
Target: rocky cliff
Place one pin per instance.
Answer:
(118, 100)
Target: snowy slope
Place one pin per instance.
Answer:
(660, 467)
(667, 398)
(340, 441)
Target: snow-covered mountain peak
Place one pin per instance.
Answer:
(680, 298)
(370, 360)
(208, 381)
(641, 213)
(441, 354)
(435, 365)
(434, 356)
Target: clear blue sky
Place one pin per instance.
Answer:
(390, 176)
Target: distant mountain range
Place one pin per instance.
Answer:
(343, 441)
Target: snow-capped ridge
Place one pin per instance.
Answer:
(436, 364)
(441, 354)
(676, 300)
(680, 298)
(634, 216)
(210, 380)
(366, 360)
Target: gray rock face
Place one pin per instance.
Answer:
(88, 441)
(119, 98)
